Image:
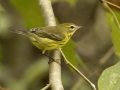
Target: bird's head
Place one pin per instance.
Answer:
(70, 28)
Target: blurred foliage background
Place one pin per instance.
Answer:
(23, 67)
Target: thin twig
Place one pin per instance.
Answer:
(112, 4)
(80, 73)
(116, 20)
(102, 61)
(46, 87)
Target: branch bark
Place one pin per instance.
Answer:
(54, 68)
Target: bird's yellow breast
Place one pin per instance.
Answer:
(48, 44)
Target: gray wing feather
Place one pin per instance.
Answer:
(45, 33)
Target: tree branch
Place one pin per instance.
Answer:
(46, 87)
(54, 68)
(79, 72)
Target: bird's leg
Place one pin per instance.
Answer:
(52, 59)
(49, 57)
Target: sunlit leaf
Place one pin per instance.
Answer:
(115, 32)
(110, 78)
(117, 15)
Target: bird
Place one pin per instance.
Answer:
(49, 37)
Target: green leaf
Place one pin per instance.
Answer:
(110, 78)
(30, 11)
(71, 54)
(117, 15)
(115, 32)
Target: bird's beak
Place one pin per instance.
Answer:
(80, 27)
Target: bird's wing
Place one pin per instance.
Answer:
(49, 32)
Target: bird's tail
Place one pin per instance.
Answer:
(24, 32)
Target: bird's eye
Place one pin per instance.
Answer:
(72, 27)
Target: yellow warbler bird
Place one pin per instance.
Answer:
(50, 37)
